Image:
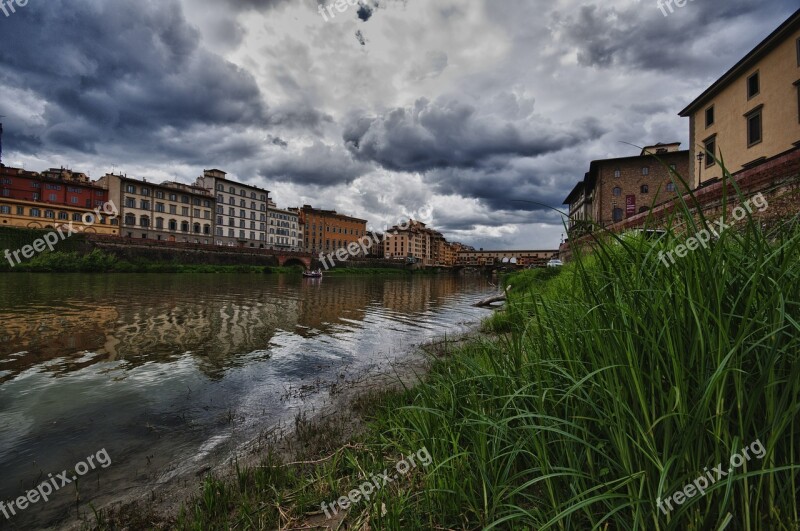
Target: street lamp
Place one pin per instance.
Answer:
(700, 157)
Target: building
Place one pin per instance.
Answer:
(616, 189)
(54, 198)
(283, 228)
(173, 212)
(481, 258)
(241, 217)
(416, 242)
(751, 113)
(326, 231)
(377, 249)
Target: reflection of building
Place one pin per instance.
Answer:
(327, 231)
(615, 189)
(167, 212)
(751, 113)
(283, 228)
(51, 199)
(241, 210)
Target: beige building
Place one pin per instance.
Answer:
(171, 211)
(416, 242)
(751, 113)
(241, 210)
(283, 228)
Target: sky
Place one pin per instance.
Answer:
(475, 116)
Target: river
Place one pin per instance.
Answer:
(167, 373)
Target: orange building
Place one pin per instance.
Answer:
(326, 231)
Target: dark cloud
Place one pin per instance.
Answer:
(448, 133)
(640, 36)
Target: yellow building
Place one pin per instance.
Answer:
(34, 215)
(172, 211)
(751, 113)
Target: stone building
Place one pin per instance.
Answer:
(616, 189)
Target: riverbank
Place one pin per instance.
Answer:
(609, 385)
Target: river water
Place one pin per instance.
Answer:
(168, 372)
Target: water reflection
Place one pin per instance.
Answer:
(163, 369)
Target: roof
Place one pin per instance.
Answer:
(574, 192)
(764, 47)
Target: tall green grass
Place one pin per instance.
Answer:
(617, 381)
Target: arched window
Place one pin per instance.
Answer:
(130, 220)
(184, 226)
(173, 225)
(159, 223)
(196, 228)
(617, 191)
(645, 189)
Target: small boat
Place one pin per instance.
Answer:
(312, 274)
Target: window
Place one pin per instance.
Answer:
(35, 213)
(160, 207)
(131, 189)
(63, 215)
(184, 226)
(52, 197)
(35, 196)
(159, 223)
(20, 211)
(754, 133)
(145, 205)
(645, 170)
(617, 214)
(753, 86)
(130, 219)
(710, 116)
(5, 209)
(73, 200)
(670, 187)
(145, 191)
(49, 214)
(617, 191)
(710, 146)
(76, 217)
(797, 84)
(644, 189)
(173, 225)
(144, 221)
(159, 194)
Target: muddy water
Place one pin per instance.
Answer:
(168, 372)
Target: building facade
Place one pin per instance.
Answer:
(416, 242)
(751, 113)
(52, 199)
(173, 212)
(616, 189)
(241, 210)
(326, 231)
(283, 228)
